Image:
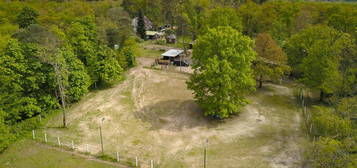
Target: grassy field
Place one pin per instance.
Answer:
(29, 154)
(153, 115)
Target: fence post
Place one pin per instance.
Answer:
(45, 137)
(87, 148)
(117, 156)
(33, 134)
(58, 140)
(151, 164)
(72, 145)
(136, 161)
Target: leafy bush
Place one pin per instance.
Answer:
(328, 153)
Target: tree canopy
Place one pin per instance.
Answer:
(223, 75)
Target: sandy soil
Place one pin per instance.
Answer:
(152, 115)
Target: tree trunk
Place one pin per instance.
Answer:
(321, 95)
(261, 81)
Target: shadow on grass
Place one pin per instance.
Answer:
(175, 115)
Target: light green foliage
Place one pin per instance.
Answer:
(27, 17)
(78, 79)
(315, 54)
(6, 136)
(23, 81)
(107, 68)
(223, 76)
(222, 16)
(328, 153)
(326, 123)
(347, 109)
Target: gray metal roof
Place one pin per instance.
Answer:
(172, 53)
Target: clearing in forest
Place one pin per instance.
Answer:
(153, 115)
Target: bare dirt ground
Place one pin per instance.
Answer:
(153, 115)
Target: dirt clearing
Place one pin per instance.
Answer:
(153, 115)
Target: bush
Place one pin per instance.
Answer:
(328, 153)
(325, 123)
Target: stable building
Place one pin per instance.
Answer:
(176, 57)
(153, 35)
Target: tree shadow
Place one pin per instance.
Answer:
(175, 115)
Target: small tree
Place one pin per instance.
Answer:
(141, 26)
(223, 76)
(27, 17)
(271, 60)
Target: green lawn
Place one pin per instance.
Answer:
(28, 154)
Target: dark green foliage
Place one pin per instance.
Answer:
(315, 54)
(141, 26)
(27, 17)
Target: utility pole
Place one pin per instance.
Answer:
(205, 154)
(101, 135)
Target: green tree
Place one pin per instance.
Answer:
(271, 59)
(24, 82)
(141, 26)
(27, 17)
(223, 16)
(107, 68)
(223, 76)
(315, 55)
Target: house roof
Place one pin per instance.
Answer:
(172, 53)
(153, 33)
(171, 36)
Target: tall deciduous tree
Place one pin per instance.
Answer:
(315, 55)
(27, 17)
(271, 60)
(222, 62)
(141, 26)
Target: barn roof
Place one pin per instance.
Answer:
(172, 53)
(153, 33)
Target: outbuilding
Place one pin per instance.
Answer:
(152, 35)
(171, 39)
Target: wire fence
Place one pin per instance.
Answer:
(121, 157)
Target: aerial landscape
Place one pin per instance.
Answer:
(178, 84)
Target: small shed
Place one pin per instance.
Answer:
(172, 54)
(171, 39)
(152, 35)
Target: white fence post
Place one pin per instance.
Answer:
(136, 161)
(72, 145)
(87, 148)
(33, 134)
(46, 137)
(151, 164)
(58, 140)
(117, 156)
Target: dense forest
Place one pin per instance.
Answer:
(52, 53)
